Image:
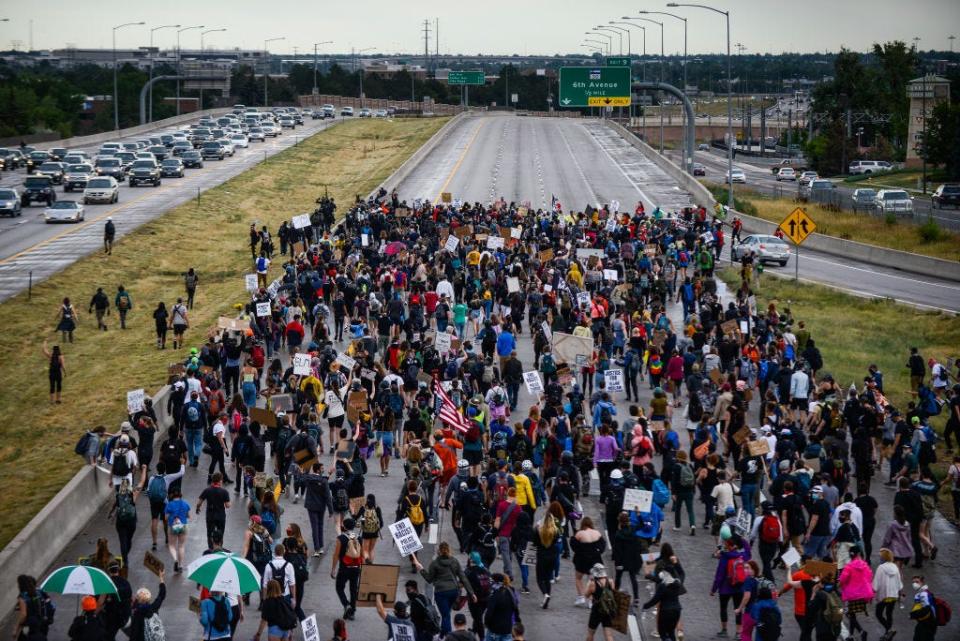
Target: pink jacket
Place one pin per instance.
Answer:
(856, 581)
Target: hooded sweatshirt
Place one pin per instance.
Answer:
(856, 581)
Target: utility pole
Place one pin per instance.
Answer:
(426, 46)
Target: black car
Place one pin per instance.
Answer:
(171, 168)
(144, 171)
(159, 152)
(53, 169)
(58, 153)
(192, 159)
(946, 195)
(112, 167)
(35, 159)
(37, 189)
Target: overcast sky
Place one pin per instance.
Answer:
(487, 26)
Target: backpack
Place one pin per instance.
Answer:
(40, 611)
(126, 510)
(450, 370)
(81, 447)
(371, 522)
(768, 628)
(606, 601)
(415, 512)
(942, 611)
(299, 562)
(287, 619)
(216, 403)
(429, 616)
(157, 489)
(170, 455)
(153, 629)
(837, 473)
(833, 613)
(632, 361)
(124, 302)
(770, 529)
(471, 508)
(352, 556)
(221, 614)
(260, 551)
(193, 414)
(695, 409)
(341, 502)
(484, 584)
(661, 494)
(269, 521)
(686, 475)
(121, 466)
(500, 487)
(547, 364)
(643, 448)
(736, 572)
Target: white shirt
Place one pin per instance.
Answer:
(723, 492)
(131, 463)
(193, 385)
(799, 385)
(219, 429)
(444, 287)
(272, 571)
(938, 383)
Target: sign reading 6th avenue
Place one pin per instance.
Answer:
(594, 86)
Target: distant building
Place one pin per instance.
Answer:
(924, 93)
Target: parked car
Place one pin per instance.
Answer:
(766, 249)
(946, 195)
(699, 169)
(786, 173)
(144, 171)
(736, 176)
(817, 190)
(102, 189)
(894, 201)
(171, 168)
(864, 199)
(858, 167)
(77, 177)
(192, 160)
(37, 189)
(63, 211)
(346, 112)
(10, 203)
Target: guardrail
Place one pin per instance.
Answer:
(849, 249)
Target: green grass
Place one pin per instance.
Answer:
(37, 439)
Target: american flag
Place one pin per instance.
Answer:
(448, 411)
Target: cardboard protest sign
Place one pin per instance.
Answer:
(587, 253)
(566, 347)
(463, 231)
(263, 416)
(640, 500)
(495, 242)
(619, 622)
(791, 557)
(357, 402)
(402, 212)
(193, 604)
(152, 562)
(304, 459)
(135, 400)
(583, 298)
(545, 255)
(405, 537)
(758, 448)
(533, 382)
(564, 375)
(610, 274)
(446, 197)
(376, 580)
(820, 568)
(515, 232)
(741, 435)
(716, 376)
(729, 327)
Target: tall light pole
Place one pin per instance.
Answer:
(179, 31)
(614, 30)
(730, 138)
(359, 68)
(153, 61)
(315, 45)
(602, 47)
(202, 34)
(673, 15)
(266, 67)
(116, 104)
(609, 38)
(643, 67)
(659, 24)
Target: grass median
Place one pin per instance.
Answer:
(853, 332)
(37, 438)
(927, 239)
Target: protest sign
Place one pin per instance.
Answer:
(545, 255)
(281, 403)
(610, 274)
(152, 562)
(250, 282)
(346, 363)
(820, 568)
(640, 500)
(515, 232)
(533, 382)
(364, 240)
(376, 580)
(583, 298)
(263, 309)
(442, 342)
(758, 448)
(495, 242)
(301, 364)
(301, 221)
(265, 417)
(587, 253)
(135, 401)
(513, 284)
(310, 630)
(614, 380)
(791, 557)
(405, 537)
(743, 523)
(451, 244)
(545, 326)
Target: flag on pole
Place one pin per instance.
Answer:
(448, 411)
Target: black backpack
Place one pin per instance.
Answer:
(300, 568)
(695, 409)
(221, 614)
(768, 628)
(121, 466)
(170, 455)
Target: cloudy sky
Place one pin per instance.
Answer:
(489, 26)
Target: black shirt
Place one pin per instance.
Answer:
(821, 509)
(750, 469)
(216, 499)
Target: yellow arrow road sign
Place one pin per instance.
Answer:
(798, 225)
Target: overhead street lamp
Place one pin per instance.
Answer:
(643, 66)
(629, 44)
(116, 103)
(602, 45)
(356, 58)
(153, 61)
(315, 45)
(673, 15)
(609, 38)
(202, 34)
(730, 138)
(179, 31)
(612, 30)
(659, 24)
(266, 67)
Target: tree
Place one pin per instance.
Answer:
(940, 141)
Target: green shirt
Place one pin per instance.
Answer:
(459, 313)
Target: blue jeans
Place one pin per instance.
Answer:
(524, 570)
(817, 547)
(513, 393)
(250, 394)
(461, 327)
(493, 636)
(194, 445)
(445, 601)
(748, 494)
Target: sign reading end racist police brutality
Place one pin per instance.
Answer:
(405, 537)
(310, 630)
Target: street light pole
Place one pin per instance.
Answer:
(116, 102)
(266, 68)
(673, 15)
(619, 35)
(202, 34)
(360, 69)
(152, 62)
(659, 24)
(179, 31)
(609, 38)
(730, 138)
(315, 45)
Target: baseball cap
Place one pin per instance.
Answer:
(598, 571)
(616, 474)
(915, 420)
(125, 426)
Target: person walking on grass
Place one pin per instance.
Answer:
(101, 304)
(56, 371)
(68, 320)
(190, 281)
(179, 322)
(124, 304)
(160, 320)
(109, 234)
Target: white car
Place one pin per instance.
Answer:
(287, 123)
(239, 140)
(346, 112)
(380, 113)
(228, 147)
(64, 211)
(737, 176)
(270, 130)
(256, 133)
(894, 201)
(786, 173)
(102, 189)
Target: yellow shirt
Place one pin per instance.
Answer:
(524, 491)
(473, 258)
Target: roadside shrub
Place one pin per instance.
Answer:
(930, 232)
(890, 219)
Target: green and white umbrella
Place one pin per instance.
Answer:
(224, 572)
(79, 579)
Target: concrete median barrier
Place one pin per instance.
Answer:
(107, 136)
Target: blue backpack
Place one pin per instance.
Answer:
(157, 490)
(269, 521)
(661, 494)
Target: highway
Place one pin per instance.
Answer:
(28, 244)
(583, 162)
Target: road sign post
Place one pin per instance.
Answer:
(466, 78)
(594, 86)
(797, 226)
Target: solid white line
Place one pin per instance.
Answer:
(870, 271)
(642, 193)
(576, 163)
(634, 627)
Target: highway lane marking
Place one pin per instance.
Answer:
(576, 163)
(459, 162)
(642, 193)
(870, 271)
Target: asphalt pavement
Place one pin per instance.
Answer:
(29, 245)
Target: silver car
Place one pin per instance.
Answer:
(766, 249)
(64, 211)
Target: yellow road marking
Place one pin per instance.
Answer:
(463, 154)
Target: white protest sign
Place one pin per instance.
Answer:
(442, 342)
(346, 362)
(743, 522)
(402, 631)
(583, 298)
(301, 364)
(451, 244)
(587, 253)
(530, 555)
(515, 232)
(790, 557)
(548, 288)
(615, 205)
(310, 630)
(533, 382)
(640, 500)
(135, 401)
(611, 223)
(513, 284)
(545, 326)
(364, 239)
(274, 288)
(494, 242)
(614, 380)
(610, 274)
(301, 221)
(251, 282)
(405, 537)
(263, 309)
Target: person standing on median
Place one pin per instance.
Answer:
(124, 304)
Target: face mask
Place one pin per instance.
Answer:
(916, 586)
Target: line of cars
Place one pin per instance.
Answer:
(138, 162)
